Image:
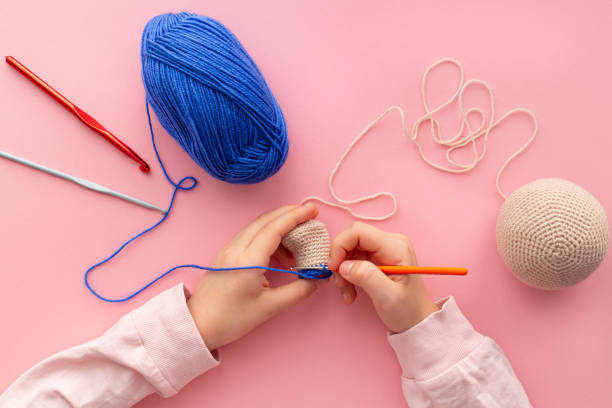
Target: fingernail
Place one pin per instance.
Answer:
(345, 268)
(345, 297)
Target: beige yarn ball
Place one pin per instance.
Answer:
(309, 243)
(552, 233)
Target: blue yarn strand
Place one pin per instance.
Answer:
(304, 273)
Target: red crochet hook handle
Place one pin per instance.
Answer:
(79, 113)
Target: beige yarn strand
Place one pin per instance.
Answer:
(464, 136)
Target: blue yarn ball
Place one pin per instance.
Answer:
(211, 98)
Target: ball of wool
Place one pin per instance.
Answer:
(211, 98)
(552, 233)
(309, 243)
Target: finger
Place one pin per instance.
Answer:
(268, 238)
(368, 277)
(284, 257)
(359, 236)
(347, 289)
(349, 294)
(339, 281)
(281, 297)
(244, 236)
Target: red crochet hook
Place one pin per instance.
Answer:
(79, 113)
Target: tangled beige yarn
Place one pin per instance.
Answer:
(551, 233)
(309, 244)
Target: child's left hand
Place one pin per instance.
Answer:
(227, 305)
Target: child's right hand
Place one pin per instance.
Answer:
(401, 301)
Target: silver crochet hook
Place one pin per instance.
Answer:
(83, 183)
(314, 268)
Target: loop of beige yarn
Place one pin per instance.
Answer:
(309, 244)
(552, 234)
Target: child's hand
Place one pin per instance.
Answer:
(227, 305)
(401, 301)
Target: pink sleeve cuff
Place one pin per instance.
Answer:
(437, 343)
(171, 338)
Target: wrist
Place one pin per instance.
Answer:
(417, 306)
(426, 308)
(203, 325)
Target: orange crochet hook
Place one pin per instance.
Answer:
(422, 270)
(405, 270)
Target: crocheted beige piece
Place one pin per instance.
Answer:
(552, 234)
(309, 244)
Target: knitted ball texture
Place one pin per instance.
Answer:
(552, 234)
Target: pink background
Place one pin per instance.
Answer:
(333, 68)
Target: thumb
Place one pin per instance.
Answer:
(368, 277)
(281, 297)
